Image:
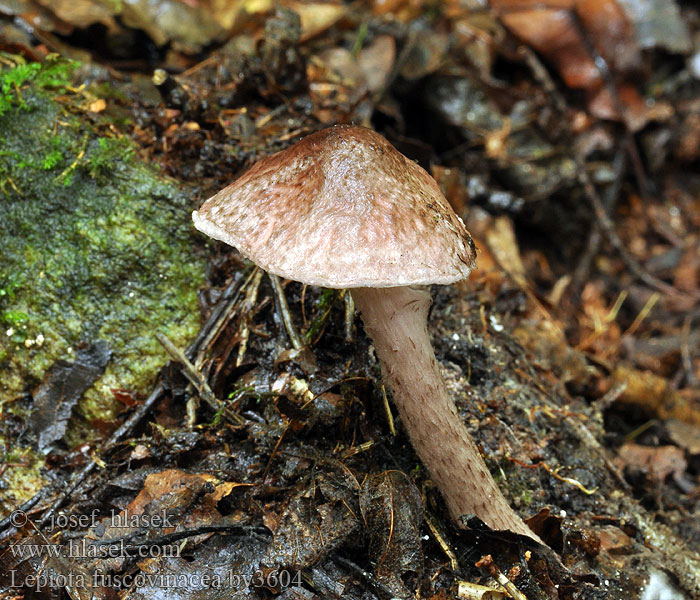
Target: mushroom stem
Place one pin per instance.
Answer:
(396, 320)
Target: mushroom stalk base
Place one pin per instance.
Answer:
(396, 320)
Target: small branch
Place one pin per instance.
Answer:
(284, 312)
(198, 380)
(595, 237)
(686, 357)
(220, 317)
(129, 542)
(248, 304)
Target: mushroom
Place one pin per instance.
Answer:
(343, 208)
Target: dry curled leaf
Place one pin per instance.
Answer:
(571, 35)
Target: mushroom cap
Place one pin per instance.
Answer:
(342, 208)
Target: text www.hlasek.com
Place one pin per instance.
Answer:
(85, 549)
(226, 579)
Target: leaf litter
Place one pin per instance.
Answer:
(574, 342)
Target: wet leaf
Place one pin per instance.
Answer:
(548, 349)
(61, 389)
(501, 241)
(569, 34)
(652, 394)
(82, 13)
(312, 523)
(658, 23)
(227, 568)
(657, 462)
(392, 510)
(687, 436)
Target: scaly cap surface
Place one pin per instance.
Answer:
(342, 208)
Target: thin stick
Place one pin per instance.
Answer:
(609, 229)
(387, 411)
(284, 312)
(219, 318)
(685, 352)
(248, 304)
(349, 316)
(442, 542)
(197, 380)
(595, 237)
(646, 309)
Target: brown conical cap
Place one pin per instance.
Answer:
(342, 208)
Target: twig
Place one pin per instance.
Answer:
(284, 312)
(609, 230)
(219, 318)
(387, 412)
(542, 76)
(128, 542)
(487, 563)
(442, 542)
(198, 380)
(687, 359)
(595, 237)
(248, 304)
(23, 508)
(274, 452)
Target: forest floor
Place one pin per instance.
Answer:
(567, 137)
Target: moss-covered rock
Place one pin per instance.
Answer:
(94, 245)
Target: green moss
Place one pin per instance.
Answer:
(107, 153)
(22, 473)
(525, 497)
(95, 245)
(14, 318)
(54, 73)
(323, 309)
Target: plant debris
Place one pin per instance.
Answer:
(268, 463)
